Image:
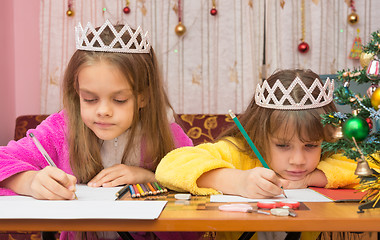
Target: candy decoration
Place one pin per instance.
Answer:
(355, 127)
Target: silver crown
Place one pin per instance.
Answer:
(132, 46)
(271, 101)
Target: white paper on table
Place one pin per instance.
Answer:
(299, 195)
(92, 203)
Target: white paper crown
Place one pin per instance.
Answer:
(132, 46)
(325, 95)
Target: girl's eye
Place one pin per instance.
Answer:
(120, 101)
(282, 145)
(91, 100)
(312, 145)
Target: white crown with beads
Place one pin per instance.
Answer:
(132, 46)
(325, 95)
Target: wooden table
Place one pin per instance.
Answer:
(201, 215)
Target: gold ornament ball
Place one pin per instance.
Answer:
(180, 29)
(70, 13)
(375, 99)
(365, 59)
(353, 18)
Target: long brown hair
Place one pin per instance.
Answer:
(142, 73)
(261, 123)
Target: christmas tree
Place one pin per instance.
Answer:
(358, 135)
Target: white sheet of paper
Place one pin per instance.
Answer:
(299, 195)
(92, 203)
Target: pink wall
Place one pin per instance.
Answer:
(19, 63)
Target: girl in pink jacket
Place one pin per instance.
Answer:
(116, 125)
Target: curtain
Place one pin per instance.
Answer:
(216, 65)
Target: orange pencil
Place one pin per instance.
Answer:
(152, 189)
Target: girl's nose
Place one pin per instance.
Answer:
(104, 109)
(297, 158)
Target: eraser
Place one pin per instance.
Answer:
(182, 196)
(282, 212)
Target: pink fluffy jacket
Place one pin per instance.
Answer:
(23, 155)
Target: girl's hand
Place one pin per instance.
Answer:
(315, 179)
(50, 183)
(121, 174)
(260, 182)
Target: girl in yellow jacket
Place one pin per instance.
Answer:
(283, 120)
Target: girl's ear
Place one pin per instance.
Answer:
(141, 100)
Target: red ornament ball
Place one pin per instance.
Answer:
(213, 11)
(303, 47)
(126, 10)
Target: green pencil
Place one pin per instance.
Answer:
(251, 144)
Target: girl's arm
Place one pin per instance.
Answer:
(18, 160)
(339, 171)
(208, 168)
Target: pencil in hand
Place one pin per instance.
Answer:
(45, 154)
(250, 143)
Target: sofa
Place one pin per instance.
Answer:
(200, 128)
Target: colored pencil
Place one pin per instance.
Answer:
(147, 189)
(44, 153)
(122, 192)
(155, 188)
(140, 190)
(136, 190)
(132, 190)
(158, 187)
(162, 187)
(250, 143)
(146, 192)
(152, 189)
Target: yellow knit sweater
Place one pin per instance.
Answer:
(180, 169)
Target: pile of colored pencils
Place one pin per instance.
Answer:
(141, 190)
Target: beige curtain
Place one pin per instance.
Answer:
(216, 65)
